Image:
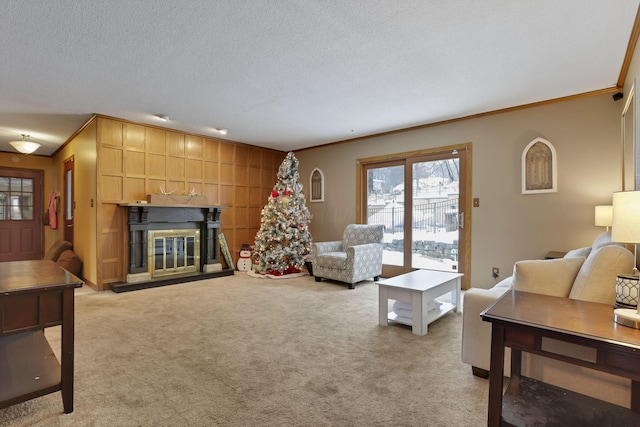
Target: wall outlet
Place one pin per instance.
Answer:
(496, 272)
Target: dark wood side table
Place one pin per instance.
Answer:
(520, 320)
(35, 295)
(554, 255)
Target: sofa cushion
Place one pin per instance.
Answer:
(70, 262)
(549, 277)
(596, 280)
(336, 260)
(580, 252)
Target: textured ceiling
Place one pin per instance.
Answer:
(297, 73)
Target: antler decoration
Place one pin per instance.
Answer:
(166, 193)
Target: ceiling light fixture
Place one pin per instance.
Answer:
(163, 117)
(222, 131)
(25, 146)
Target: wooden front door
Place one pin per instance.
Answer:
(21, 211)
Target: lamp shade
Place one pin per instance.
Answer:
(625, 226)
(604, 215)
(25, 146)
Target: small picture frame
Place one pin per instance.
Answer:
(316, 186)
(539, 167)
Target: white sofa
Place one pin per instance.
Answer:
(586, 274)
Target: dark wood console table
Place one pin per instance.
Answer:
(520, 320)
(35, 295)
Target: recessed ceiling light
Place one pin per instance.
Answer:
(163, 117)
(222, 131)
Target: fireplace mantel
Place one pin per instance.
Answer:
(171, 205)
(143, 217)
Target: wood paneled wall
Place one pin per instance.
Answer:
(136, 160)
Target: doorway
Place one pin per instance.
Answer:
(20, 214)
(423, 199)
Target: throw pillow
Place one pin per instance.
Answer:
(70, 262)
(504, 283)
(549, 277)
(596, 280)
(603, 239)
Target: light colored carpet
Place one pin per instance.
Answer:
(243, 351)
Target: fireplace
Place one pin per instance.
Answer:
(173, 252)
(171, 244)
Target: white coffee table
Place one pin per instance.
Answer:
(418, 288)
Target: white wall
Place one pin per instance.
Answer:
(508, 226)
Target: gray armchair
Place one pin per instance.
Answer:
(357, 257)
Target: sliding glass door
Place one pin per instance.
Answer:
(421, 198)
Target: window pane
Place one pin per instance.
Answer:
(27, 212)
(15, 213)
(16, 185)
(27, 185)
(69, 196)
(4, 199)
(4, 184)
(436, 193)
(385, 205)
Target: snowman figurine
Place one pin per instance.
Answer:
(244, 262)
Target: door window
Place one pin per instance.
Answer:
(16, 198)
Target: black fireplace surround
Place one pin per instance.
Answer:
(144, 217)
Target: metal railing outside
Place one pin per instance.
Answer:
(428, 217)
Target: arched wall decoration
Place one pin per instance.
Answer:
(539, 167)
(316, 186)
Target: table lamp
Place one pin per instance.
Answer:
(604, 216)
(625, 228)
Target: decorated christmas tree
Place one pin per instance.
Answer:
(283, 239)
